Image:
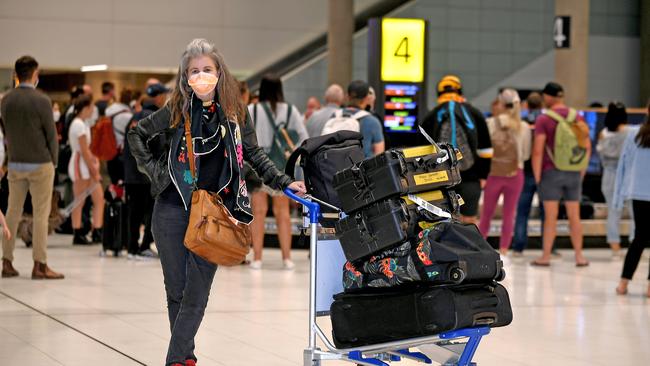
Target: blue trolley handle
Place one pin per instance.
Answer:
(313, 207)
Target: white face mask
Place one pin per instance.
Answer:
(56, 115)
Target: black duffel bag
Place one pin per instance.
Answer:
(321, 158)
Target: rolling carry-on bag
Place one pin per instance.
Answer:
(362, 319)
(115, 232)
(395, 173)
(390, 222)
(446, 253)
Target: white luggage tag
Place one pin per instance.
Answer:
(432, 142)
(429, 206)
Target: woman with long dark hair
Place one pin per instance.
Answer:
(83, 170)
(270, 113)
(632, 177)
(207, 98)
(609, 147)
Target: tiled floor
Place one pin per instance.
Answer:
(112, 312)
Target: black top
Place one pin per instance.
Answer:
(209, 161)
(131, 173)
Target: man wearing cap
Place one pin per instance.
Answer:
(358, 99)
(554, 184)
(137, 186)
(472, 121)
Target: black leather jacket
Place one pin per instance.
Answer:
(150, 143)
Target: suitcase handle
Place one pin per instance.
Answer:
(486, 318)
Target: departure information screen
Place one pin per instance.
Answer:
(401, 107)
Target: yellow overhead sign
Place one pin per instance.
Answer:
(402, 50)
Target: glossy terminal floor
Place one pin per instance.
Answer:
(112, 312)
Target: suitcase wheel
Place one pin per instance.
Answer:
(501, 275)
(457, 275)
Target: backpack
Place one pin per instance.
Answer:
(103, 143)
(505, 161)
(571, 137)
(321, 158)
(284, 139)
(343, 121)
(458, 130)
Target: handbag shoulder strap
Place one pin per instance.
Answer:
(190, 147)
(289, 109)
(269, 116)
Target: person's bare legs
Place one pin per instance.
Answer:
(260, 207)
(575, 229)
(283, 218)
(551, 209)
(97, 197)
(621, 289)
(78, 187)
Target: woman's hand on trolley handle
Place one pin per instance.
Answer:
(298, 187)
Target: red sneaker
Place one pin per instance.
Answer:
(190, 362)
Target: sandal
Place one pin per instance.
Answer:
(582, 264)
(537, 263)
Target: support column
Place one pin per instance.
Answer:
(645, 53)
(572, 64)
(339, 42)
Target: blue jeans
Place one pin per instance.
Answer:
(188, 279)
(520, 239)
(613, 215)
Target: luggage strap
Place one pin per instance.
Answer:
(445, 155)
(429, 206)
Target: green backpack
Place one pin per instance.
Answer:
(571, 137)
(284, 138)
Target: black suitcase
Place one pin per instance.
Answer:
(386, 316)
(446, 253)
(394, 173)
(387, 223)
(115, 232)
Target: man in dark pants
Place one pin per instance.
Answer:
(137, 186)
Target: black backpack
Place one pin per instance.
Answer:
(454, 125)
(321, 158)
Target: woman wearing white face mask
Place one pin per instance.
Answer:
(206, 98)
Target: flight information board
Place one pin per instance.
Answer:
(401, 107)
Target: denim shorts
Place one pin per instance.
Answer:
(559, 185)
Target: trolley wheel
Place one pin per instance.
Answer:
(457, 275)
(501, 276)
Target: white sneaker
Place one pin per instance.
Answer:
(288, 265)
(256, 265)
(131, 257)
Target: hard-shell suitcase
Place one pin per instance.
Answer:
(115, 232)
(445, 253)
(397, 172)
(390, 222)
(362, 319)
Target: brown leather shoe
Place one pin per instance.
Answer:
(42, 272)
(8, 269)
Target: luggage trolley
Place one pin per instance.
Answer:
(453, 348)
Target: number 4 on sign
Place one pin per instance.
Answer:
(403, 47)
(558, 32)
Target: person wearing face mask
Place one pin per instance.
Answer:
(33, 152)
(206, 100)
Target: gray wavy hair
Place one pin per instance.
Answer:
(227, 90)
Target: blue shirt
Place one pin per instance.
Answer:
(370, 129)
(632, 175)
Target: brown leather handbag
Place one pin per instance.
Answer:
(212, 233)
